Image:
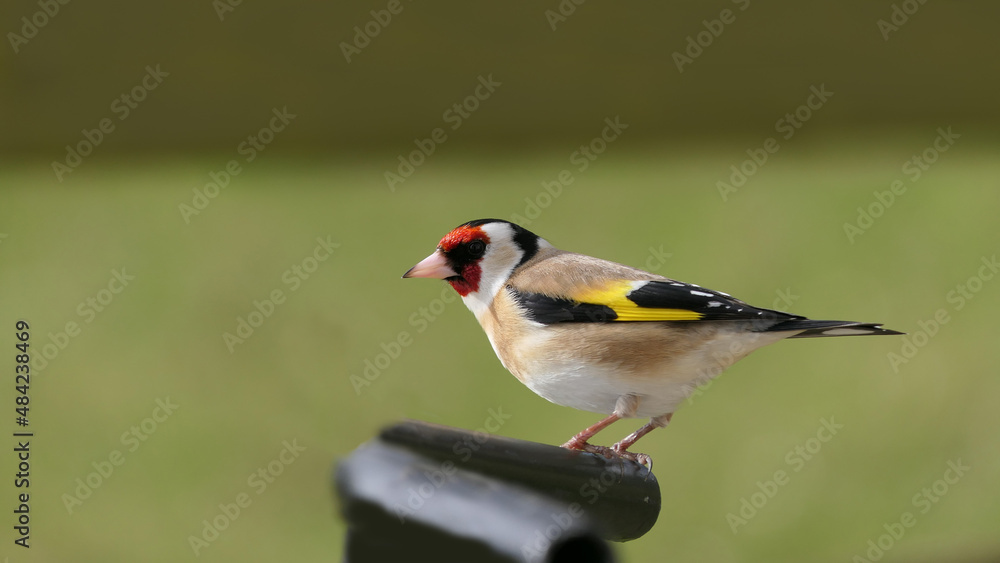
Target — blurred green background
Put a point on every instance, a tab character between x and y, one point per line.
139	204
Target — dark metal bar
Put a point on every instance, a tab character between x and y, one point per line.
427	492
621	496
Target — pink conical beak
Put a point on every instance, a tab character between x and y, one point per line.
434	266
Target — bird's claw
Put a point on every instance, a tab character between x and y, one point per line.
612	452
601	451
641	459
575	443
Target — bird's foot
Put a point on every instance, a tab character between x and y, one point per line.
603	451
613	452
641	459
576	443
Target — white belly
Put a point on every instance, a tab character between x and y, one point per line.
596	387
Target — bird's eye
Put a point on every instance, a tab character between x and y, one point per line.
477	248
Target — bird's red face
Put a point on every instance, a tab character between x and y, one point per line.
457	259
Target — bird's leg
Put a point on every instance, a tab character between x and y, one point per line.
621	448
625	407
579	442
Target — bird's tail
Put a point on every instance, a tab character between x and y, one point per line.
814	329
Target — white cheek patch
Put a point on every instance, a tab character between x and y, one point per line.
502	256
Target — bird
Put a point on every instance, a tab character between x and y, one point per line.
604	337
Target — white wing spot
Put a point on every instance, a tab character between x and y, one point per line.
845	331
740	310
714	304
678	284
701	293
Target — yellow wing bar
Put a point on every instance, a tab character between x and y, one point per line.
614	295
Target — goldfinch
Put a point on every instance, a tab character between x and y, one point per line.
599	336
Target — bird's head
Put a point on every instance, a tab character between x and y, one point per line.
477	257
